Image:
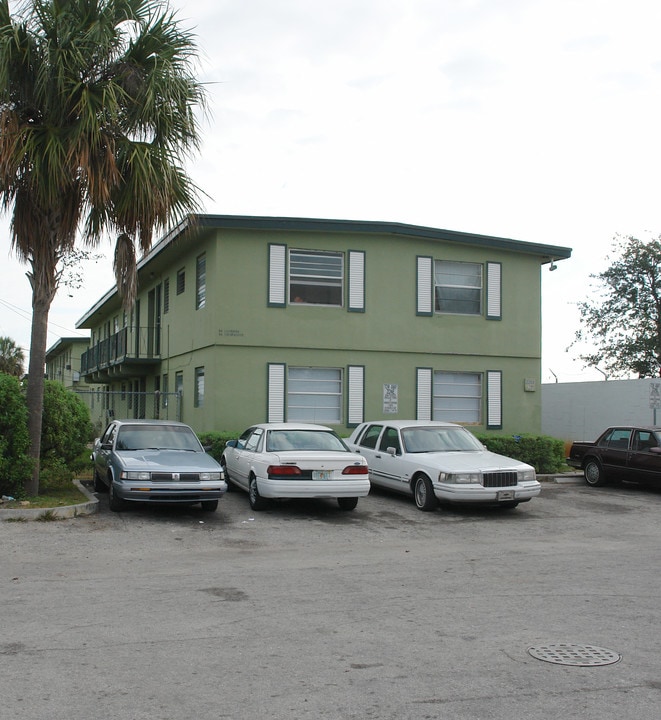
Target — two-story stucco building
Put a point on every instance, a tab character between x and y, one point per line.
256	318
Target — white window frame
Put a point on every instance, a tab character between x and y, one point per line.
445	267
306	287
327	409
457	397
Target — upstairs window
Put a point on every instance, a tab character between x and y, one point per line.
316	278
166	295
458	287
181	281
201	282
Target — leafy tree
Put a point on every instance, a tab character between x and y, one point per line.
623	320
66	430
98	108
11	357
15	464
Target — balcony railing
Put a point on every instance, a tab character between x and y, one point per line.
128	345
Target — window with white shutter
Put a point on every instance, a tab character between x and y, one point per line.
355	395
356	281
494	400
276	392
423	393
277	275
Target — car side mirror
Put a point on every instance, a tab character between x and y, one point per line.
656	450
391	451
231	443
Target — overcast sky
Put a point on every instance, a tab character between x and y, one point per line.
537	120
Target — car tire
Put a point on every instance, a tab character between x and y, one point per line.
223	464
423	494
209	505
594	473
257	502
116	504
99	485
347	503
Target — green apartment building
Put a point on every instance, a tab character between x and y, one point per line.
249	319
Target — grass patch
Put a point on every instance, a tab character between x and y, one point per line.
52	498
48	516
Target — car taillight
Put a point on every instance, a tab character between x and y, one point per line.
355	470
280	470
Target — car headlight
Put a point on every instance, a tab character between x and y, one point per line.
135	475
210	475
527	475
459	478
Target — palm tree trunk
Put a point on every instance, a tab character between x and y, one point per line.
35	388
44	286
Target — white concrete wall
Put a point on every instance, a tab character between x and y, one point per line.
581	411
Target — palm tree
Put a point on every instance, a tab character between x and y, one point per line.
98	106
11	357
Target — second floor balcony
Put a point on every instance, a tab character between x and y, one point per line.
130	352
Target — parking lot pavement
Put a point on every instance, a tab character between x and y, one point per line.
305	611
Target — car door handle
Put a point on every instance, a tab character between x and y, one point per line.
378	456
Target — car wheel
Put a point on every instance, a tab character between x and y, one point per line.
223	464
99	485
347	503
116	504
209	505
594	473
257	502
423	492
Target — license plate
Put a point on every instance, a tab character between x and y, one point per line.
505	495
322	474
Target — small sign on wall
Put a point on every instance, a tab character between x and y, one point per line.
530	385
390	398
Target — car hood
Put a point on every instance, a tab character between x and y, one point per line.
478	461
167	461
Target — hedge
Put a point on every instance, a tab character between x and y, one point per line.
544	453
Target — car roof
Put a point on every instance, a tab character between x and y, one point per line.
291	426
143	421
411	423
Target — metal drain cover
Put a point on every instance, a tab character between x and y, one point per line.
577	655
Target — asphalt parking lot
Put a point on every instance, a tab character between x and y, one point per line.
305	611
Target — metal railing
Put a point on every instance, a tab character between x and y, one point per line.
129	343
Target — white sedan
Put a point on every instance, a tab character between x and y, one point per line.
439	462
295	460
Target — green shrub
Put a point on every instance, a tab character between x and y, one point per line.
545	454
66	430
15	463
215	442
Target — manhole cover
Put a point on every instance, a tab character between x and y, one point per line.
578	655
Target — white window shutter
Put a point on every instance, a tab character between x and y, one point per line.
277	275
355	394
494	291
356	281
276	393
424	394
425	289
494	400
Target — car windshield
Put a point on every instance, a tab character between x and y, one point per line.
439	439
160	437
282	440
